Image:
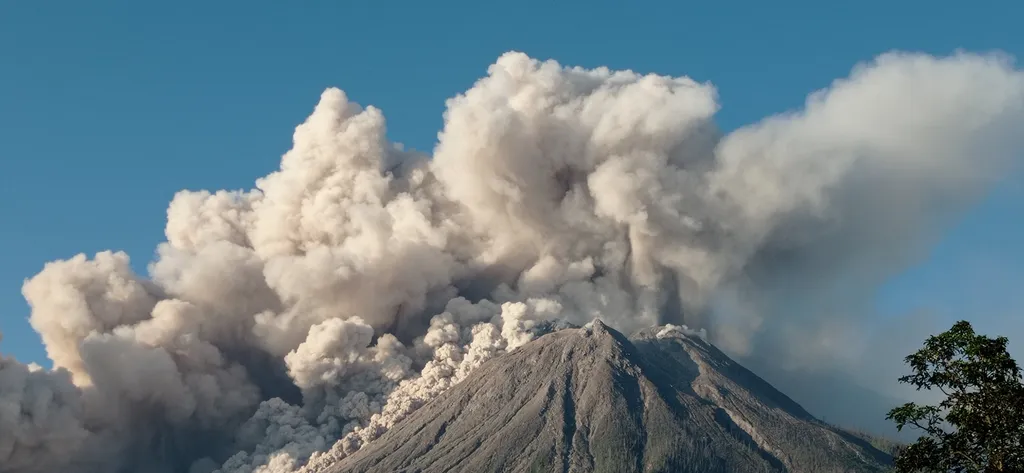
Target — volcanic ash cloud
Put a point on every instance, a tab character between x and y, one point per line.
293	323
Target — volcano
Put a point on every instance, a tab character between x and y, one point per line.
593	400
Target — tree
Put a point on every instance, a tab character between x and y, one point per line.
979	427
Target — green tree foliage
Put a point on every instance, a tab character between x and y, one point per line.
979	427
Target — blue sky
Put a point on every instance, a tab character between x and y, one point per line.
108	108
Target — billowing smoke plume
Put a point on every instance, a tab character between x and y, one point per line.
286	326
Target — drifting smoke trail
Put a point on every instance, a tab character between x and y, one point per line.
295	322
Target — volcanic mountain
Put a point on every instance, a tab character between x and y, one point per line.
592	400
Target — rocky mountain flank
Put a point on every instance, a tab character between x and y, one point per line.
591	400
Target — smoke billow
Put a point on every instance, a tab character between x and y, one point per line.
284	327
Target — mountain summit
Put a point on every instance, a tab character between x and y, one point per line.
593	400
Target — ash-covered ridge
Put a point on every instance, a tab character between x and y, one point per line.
592	400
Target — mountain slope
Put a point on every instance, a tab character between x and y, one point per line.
590	400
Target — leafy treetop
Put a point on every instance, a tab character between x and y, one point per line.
979	426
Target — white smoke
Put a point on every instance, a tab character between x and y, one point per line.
291	324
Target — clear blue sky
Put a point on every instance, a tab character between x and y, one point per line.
108	108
